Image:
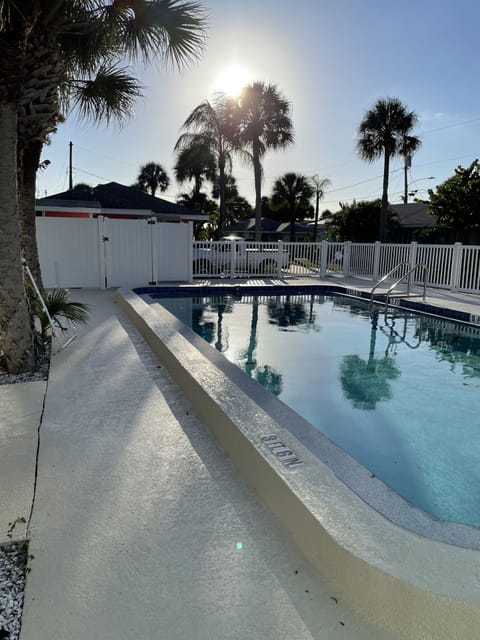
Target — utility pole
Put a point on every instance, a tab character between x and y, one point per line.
70	173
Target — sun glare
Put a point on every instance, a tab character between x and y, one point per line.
232	80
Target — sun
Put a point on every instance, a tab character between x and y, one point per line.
232	80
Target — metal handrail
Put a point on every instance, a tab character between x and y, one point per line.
406	275
409	272
402	264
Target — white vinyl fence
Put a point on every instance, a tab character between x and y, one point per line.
104	252
455	267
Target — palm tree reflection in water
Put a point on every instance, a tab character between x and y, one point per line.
365	383
264	374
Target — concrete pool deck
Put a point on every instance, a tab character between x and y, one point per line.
142	527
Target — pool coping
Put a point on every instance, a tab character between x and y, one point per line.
345	537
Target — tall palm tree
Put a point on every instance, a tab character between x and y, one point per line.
152	176
263	120
211	124
381	133
319	185
195	162
293	191
55	48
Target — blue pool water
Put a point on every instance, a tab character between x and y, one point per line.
400	394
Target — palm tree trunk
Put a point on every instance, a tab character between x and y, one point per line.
17	353
257	174
221	185
292	220
28	165
384	207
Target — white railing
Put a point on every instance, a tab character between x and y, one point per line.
455	267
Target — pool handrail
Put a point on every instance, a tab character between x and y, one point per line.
386	276
422	266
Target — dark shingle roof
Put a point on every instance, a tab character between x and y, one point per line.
414	214
115	196
268	226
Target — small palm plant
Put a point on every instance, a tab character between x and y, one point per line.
60	308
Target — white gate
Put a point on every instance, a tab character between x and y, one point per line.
70	252
172	252
128	252
104	252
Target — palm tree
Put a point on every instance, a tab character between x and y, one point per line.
319	185
263	119
195	162
53	49
211	124
293	191
382	132
152	177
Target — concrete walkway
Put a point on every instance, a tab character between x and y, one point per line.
20	412
142	527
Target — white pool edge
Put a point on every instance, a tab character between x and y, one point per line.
411	585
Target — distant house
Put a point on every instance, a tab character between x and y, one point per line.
113	200
412	218
272	230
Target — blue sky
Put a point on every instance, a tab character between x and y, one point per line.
332	59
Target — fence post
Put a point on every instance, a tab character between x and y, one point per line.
376	260
323	260
280	259
412	260
347	250
190	252
233	256
456	266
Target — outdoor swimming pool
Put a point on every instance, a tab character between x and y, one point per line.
400	393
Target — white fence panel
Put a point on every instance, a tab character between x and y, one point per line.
239	259
335	255
305	259
470	269
128	252
70	252
362	258
172	243
439	260
391	255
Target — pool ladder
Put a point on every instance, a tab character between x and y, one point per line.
408	275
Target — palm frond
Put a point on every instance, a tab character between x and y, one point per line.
59	307
171	29
110	95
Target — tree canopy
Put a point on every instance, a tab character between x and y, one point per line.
456	202
293	192
357	222
151	178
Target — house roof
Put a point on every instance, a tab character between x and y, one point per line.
268	226
414	215
118	197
